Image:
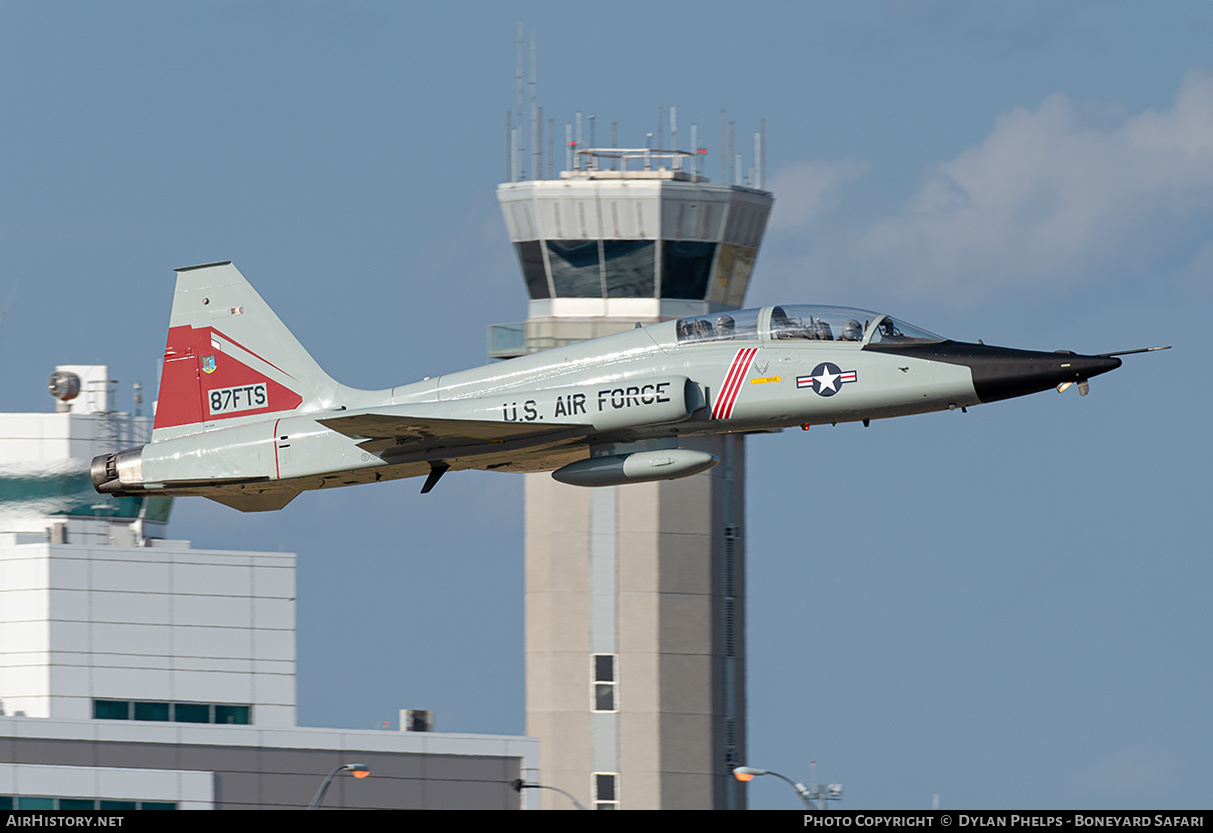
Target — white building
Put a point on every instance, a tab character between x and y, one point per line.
139	673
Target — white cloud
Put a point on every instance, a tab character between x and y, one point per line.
1045	199
1134	770
807	190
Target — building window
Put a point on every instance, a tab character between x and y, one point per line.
192	713
42	802
111	710
154	710
603	696
238	715
576	270
630	268
606	791
530	258
685	265
151	711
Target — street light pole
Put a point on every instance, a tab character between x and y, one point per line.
822	794
519	785
359	770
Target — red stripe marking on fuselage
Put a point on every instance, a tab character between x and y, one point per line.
733	384
731	387
742	372
728	391
722	394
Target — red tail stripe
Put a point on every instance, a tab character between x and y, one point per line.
250	352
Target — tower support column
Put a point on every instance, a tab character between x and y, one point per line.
635	612
635	637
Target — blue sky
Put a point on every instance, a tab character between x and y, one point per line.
1008	607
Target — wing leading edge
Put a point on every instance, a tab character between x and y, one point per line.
393	434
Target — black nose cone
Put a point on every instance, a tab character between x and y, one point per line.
1002	373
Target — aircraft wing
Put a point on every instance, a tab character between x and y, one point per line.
521	420
397	434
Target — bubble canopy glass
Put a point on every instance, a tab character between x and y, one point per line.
802	323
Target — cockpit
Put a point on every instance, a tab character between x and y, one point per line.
802	323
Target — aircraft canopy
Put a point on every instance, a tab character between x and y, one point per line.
803	323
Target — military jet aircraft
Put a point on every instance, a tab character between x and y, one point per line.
247	418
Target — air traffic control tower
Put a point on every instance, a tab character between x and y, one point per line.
635	595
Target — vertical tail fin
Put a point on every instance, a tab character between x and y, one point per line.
228	356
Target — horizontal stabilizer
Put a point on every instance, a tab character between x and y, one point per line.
263	501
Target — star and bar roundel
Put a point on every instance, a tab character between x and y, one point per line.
826	379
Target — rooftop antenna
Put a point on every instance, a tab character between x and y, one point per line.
518	87
593	141
674	138
518	153
762	179
724	158
551	151
732	180
660	128
756	174
695	150
536	144
509	149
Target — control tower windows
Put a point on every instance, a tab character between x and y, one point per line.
629	269
576	272
731	275
530	258
630	266
685	265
